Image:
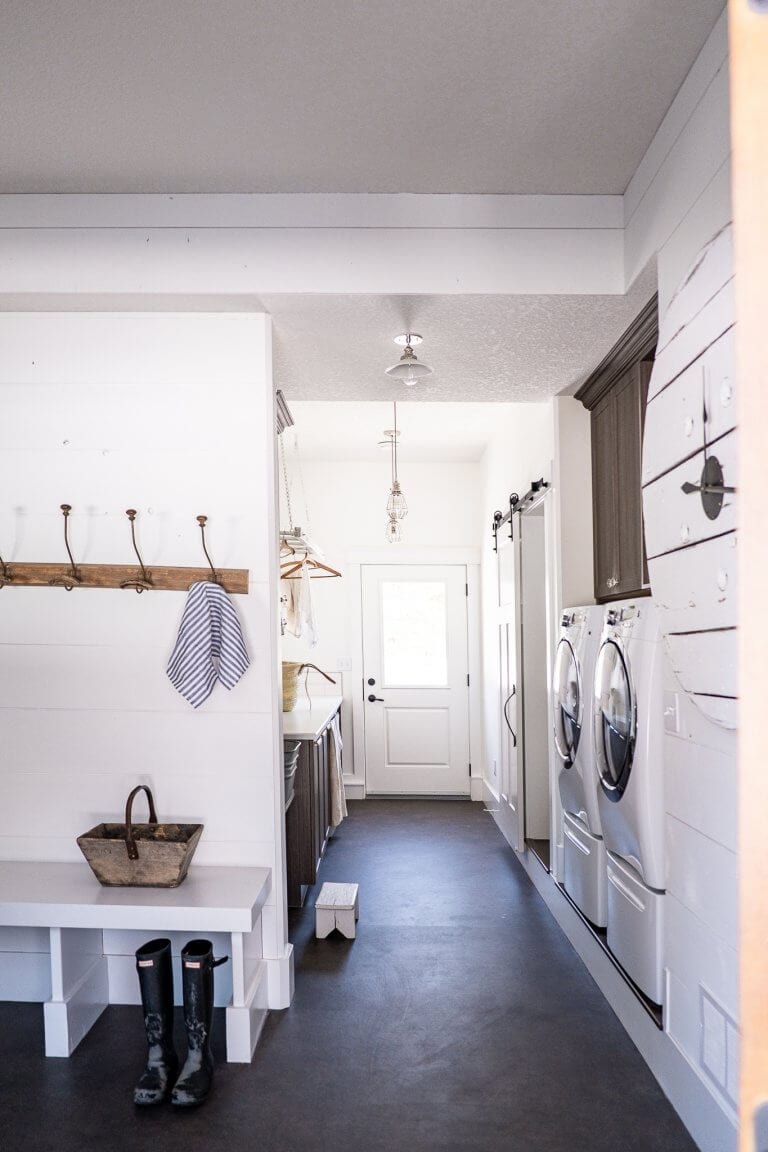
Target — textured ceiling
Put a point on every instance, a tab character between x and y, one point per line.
485	348
324	96
353	430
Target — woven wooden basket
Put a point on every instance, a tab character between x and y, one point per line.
132	855
292	669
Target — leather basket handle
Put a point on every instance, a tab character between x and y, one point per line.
130	844
328	678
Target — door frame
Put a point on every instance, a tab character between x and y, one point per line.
552	608
397	555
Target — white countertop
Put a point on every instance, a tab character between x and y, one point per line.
306	723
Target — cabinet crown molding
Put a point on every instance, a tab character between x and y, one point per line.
638	343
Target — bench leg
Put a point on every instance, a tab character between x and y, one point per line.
345	922
247	1010
79	988
325	922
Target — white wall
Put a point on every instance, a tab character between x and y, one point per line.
572	481
172	415
346	501
678	199
680	195
519	451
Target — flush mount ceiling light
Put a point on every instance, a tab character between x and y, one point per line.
409	369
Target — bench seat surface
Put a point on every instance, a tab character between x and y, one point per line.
51	895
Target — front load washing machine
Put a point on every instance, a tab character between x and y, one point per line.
584	850
628	733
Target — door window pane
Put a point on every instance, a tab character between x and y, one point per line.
414	634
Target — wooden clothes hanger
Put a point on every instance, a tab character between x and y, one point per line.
289	569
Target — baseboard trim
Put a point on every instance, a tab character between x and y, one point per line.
708	1124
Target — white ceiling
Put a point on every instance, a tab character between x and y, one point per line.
481	348
429	433
535	96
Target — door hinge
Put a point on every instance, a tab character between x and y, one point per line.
467	679
469	766
466	589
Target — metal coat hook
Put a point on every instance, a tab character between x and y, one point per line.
214	577
73	576
6	576
144	580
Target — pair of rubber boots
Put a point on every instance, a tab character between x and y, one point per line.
161	1076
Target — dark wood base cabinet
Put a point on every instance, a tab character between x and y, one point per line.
307	821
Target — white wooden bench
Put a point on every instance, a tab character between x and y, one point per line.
337	906
69	901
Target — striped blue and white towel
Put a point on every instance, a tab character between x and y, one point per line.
209	646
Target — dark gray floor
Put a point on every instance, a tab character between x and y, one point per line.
459	1019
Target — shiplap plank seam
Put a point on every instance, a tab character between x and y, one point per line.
684	459
694	543
690	364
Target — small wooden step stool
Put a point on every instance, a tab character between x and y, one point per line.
337	906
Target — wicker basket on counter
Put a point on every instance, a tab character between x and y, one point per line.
152	855
292	669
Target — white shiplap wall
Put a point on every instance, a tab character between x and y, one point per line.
692	564
173	415
677	202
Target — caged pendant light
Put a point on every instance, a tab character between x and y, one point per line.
397	506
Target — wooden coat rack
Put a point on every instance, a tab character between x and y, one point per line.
141	579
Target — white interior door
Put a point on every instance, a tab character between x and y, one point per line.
416	679
511	791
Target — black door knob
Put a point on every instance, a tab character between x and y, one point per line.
371	682
373	699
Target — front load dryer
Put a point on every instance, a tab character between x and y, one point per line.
584	851
628	734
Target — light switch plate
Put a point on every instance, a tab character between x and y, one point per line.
344	664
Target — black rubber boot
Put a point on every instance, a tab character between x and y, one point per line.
197	965
153	964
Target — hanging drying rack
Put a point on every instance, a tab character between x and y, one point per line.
141	579
297	552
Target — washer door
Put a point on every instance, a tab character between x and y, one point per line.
614	720
568	704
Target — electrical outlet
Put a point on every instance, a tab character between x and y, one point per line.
344	664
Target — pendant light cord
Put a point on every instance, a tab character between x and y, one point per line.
394	441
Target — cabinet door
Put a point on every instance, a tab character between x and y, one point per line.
299	836
605	498
629	397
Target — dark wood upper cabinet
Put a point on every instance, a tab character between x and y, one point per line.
616	394
604	497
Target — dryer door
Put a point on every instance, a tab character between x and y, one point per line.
614	720
568	703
